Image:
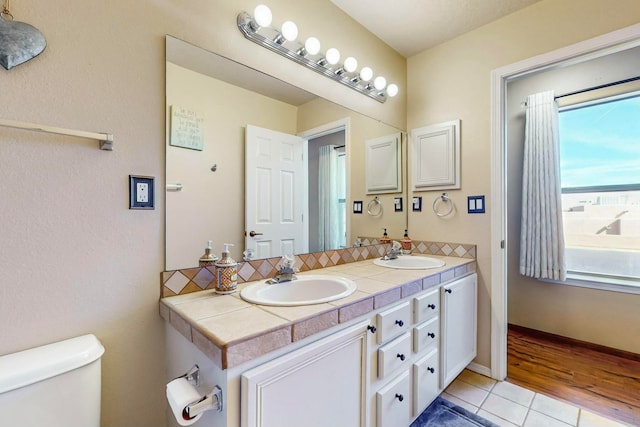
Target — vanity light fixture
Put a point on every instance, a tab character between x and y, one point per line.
258	28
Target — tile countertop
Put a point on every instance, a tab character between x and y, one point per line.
232	331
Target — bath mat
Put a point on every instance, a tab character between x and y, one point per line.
442	413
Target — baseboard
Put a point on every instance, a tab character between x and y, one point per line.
479	369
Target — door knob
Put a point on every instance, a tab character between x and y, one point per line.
254	234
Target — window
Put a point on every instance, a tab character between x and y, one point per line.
600	176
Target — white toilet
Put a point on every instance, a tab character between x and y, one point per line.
56	385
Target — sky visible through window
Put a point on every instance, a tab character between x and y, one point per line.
600	144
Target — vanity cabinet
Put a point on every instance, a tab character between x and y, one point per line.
321	384
381	370
459	327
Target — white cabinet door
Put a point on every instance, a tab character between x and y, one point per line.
393	403
393	322
322	384
459	323
425	381
394	355
383	164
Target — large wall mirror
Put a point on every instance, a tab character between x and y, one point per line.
223	120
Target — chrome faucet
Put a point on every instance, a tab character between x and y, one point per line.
393	252
286	272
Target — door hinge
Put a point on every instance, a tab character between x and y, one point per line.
502	244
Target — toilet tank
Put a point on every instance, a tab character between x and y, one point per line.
56	385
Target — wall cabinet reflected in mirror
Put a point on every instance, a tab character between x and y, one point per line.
383	164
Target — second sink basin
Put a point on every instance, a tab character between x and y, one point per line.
408	262
305	290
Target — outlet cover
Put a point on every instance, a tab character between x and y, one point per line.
141	192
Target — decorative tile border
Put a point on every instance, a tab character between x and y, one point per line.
179	282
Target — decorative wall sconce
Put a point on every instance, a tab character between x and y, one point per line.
284	41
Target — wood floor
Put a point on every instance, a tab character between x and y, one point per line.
600	380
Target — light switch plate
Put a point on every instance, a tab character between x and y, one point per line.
417	203
141	192
475	204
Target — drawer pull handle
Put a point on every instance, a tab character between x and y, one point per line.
400	356
372	329
432	370
431	334
448	291
399	397
400	323
432	306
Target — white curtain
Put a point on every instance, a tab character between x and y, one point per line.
328	226
541	234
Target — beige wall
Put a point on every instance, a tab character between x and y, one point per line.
452	81
74	259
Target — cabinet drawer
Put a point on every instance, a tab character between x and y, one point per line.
426	306
393	322
425	381
426	335
394	355
393	403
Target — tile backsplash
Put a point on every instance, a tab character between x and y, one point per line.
184	281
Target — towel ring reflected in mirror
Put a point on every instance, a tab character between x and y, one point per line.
444	198
374	207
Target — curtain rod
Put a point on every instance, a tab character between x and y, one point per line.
619	82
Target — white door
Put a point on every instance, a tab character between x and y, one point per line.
275	191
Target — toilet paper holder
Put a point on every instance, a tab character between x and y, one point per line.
212	400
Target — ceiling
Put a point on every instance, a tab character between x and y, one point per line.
411	26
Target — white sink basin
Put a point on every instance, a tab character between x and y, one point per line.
305	290
408	262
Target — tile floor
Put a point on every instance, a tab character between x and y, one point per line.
509	405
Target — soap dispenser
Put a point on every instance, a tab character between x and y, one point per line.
385	237
207	259
227	273
406	243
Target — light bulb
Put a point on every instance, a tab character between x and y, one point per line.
262	15
312	46
380	83
289	30
333	56
366	73
392	90
350	64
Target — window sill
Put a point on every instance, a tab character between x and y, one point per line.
612	284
